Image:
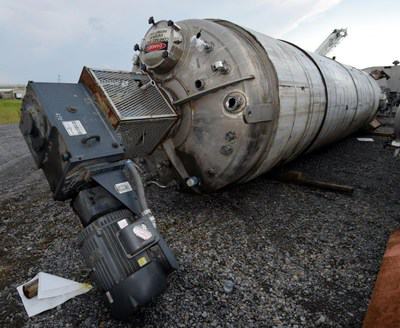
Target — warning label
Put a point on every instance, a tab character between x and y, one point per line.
122	187
141	231
157	40
74	128
156	46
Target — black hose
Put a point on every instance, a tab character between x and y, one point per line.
139	186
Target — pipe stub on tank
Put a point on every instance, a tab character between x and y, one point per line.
234	102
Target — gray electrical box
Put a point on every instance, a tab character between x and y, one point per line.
65	132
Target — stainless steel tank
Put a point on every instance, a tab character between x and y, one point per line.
247	102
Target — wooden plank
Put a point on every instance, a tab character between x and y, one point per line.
374	124
31	288
383	131
299	178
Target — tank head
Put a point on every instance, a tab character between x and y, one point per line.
161	47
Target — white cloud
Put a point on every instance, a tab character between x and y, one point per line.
46	24
54	23
277	18
371	33
313	8
47	37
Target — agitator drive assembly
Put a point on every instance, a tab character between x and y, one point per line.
208	104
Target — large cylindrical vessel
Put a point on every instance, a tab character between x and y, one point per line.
248	102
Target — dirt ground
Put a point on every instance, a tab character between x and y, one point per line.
298	256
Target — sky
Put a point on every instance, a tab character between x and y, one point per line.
51	40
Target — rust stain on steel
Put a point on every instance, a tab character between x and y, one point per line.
384	307
101	99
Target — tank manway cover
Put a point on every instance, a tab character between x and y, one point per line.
134	105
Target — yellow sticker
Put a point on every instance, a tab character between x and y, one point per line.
142	261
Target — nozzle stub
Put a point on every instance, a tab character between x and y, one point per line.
192	181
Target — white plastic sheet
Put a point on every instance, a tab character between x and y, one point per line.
52	291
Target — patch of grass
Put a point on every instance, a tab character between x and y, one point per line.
9	111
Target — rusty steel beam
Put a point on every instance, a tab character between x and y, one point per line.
384	307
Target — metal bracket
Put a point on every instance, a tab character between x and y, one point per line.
199	94
110	180
259	113
169	149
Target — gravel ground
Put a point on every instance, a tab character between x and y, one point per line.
298	256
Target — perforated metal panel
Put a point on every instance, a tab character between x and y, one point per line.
134	105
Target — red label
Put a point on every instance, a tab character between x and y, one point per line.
156	46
